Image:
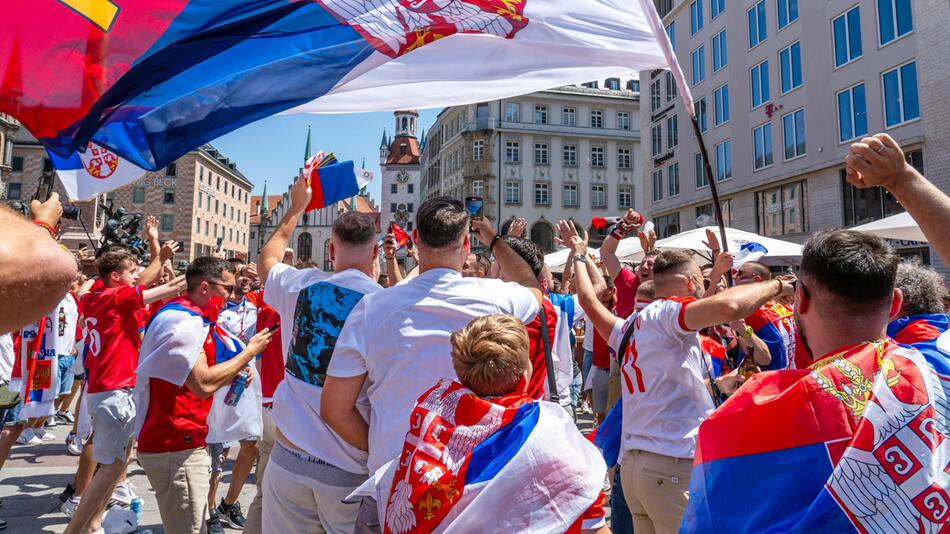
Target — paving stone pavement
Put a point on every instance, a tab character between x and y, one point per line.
35	475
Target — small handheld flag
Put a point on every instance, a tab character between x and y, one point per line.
334	182
749	252
402	238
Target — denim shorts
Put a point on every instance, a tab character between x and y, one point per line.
65	363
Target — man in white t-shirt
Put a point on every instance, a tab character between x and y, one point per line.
666	379
395	343
311	469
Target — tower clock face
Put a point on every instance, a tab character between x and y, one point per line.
402	177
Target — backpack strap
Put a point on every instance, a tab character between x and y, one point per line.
548	356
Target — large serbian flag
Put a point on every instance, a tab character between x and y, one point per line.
153	79
857	443
474	466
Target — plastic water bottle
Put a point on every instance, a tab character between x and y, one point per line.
237	388
136	508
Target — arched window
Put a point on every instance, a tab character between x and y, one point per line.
405	124
305	247
543	235
327	264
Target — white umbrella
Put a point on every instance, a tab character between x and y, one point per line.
901	227
556	260
779	252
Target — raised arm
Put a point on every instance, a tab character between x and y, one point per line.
603	320
392	266
733	304
608	250
515	268
879	161
164	291
273	251
153	271
35	271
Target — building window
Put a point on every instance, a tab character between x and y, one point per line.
597	156
512	192
624	197
168	197
667	225
759	79
724	160
218	184
138	196
793	130
656	139
895	19
900	95
852	113
393	188
232	213
695	16
540	114
231	234
699	64
762	146
305	246
781	210
612	84
171	170
541	154
700	106
716	7
787	12
403	148
168	223
873	203
598	196
512	151
846	30
706	210
216	205
570	195
14	191
657	185
670	86
624	158
672	132
655	101
569	154
596	118
757	27
542	194
790	59
513	112
673	179
569	116
16	164
206	228
671	33
409	207
721	103
410	188
699	167
623	120
392	208
478	189
478	146
720	57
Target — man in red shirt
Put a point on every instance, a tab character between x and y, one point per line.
182	342
111	308
625	280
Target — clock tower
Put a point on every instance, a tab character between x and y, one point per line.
399	163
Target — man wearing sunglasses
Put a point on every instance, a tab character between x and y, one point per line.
773	323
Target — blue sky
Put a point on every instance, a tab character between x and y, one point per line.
272	149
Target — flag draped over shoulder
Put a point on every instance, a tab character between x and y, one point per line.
857	443
153	79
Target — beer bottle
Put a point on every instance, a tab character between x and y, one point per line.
748	368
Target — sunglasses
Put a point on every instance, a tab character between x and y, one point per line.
226	287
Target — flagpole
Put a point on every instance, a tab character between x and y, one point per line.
707	168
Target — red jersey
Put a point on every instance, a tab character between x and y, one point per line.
539	374
627	283
601	352
112	320
271	363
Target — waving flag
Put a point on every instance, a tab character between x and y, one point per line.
153	79
749	252
402	238
469	459
856	444
335	182
930	334
93	172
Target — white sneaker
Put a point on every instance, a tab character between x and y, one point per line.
51	422
27	437
585	407
73	444
69	507
124	493
45	436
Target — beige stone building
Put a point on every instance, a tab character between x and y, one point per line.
199	200
8	129
782	87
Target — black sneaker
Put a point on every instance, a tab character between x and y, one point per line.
67	493
214	523
232	515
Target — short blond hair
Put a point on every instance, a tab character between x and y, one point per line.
491	354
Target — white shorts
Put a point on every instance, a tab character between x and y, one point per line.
113	421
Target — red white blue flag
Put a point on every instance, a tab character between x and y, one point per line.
154	79
857	443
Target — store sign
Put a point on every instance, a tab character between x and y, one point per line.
158	182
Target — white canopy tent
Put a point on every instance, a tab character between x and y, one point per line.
556	260
901	227
779	252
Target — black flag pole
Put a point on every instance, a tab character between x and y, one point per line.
707	168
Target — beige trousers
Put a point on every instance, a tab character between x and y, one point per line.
656	489
264	446
181	482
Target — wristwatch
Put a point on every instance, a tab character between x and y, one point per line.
580	257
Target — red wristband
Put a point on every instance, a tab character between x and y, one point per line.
47	226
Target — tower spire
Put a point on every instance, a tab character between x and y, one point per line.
306	156
263	209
